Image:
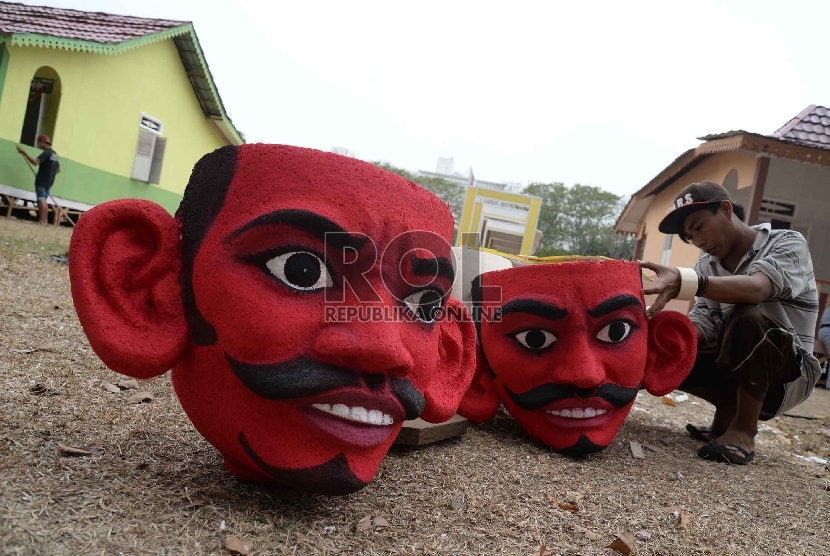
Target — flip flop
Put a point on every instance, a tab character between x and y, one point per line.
725	453
704	435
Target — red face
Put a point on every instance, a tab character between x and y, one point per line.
570	351
298	389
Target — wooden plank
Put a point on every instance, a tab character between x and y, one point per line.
60	214
29	195
652	447
418	432
12	203
636	450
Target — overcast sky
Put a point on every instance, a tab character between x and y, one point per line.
599	93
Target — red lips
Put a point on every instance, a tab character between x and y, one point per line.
355	417
577	413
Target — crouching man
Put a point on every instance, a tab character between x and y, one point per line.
755	312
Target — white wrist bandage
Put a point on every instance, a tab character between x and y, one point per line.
688	284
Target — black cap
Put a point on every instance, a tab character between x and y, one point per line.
693	197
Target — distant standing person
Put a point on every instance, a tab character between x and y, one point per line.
49	168
824	333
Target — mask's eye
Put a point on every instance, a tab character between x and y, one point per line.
425	304
615	332
535	339
300	270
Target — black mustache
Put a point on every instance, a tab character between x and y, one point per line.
302	376
544	394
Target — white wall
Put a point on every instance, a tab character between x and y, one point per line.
808	185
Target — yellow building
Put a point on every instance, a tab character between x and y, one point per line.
129	103
498	220
782	179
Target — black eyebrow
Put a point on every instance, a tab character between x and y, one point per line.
439	266
534	307
615	304
310	222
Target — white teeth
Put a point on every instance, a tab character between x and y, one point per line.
360	414
579	413
357	413
376	417
341	410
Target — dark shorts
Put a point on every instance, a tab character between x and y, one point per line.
42	192
755	352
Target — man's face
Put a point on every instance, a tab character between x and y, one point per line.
709	231
569	353
284	393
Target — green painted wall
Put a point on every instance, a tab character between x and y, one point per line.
96	130
80	182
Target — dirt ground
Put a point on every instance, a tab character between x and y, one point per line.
151	484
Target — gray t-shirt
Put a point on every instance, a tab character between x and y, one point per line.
783	255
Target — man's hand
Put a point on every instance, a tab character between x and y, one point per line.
20	150
666	286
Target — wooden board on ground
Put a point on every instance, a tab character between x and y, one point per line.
418	432
636	450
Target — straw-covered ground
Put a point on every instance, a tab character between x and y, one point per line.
150	484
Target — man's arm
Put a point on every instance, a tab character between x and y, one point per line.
707	324
726	289
32	161
787	265
751	289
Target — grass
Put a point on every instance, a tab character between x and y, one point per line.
153	485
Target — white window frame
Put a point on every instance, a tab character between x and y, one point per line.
786	217
804	228
665	257
149	151
157	127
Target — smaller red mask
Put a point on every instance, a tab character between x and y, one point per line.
566	347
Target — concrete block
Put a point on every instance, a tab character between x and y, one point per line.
418	432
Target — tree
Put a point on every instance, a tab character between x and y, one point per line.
451	193
576	220
618	246
590	215
579	220
552	219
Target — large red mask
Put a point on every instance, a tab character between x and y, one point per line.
566	347
299	311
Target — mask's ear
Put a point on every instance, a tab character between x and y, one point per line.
672	348
124	269
457	365
481	401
